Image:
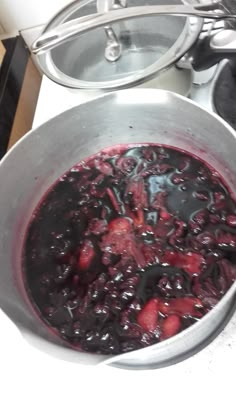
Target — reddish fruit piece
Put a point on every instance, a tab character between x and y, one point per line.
75	280
208	294
186	306
181	227
201	195
165	215
218	197
163	229
103	167
126	164
206	239
171	326
201	217
231	221
119	241
214	219
86	255
228	270
226	240
191	262
194	227
113	199
145	228
139	218
151	253
217	206
136	187
97	227
148	316
164	307
179	178
137	254
156	169
184	164
159	200
120	225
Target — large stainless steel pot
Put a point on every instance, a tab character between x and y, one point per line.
34	163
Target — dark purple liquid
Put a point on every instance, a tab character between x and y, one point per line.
131	247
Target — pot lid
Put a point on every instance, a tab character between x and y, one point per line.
118	55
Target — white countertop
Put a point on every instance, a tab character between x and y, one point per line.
54	99
26	369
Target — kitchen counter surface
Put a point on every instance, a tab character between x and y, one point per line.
23	368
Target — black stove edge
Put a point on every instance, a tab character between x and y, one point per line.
12	72
224	95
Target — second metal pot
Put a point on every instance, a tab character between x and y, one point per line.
149	47
76	49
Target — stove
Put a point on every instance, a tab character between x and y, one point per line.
224	97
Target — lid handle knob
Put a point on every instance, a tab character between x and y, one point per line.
113	48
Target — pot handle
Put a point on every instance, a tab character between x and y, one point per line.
211	50
76	27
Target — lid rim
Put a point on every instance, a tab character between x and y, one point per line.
184	42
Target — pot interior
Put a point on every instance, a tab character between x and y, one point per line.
41	157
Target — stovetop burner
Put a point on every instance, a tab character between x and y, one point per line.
224	96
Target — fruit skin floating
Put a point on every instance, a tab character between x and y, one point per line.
130	247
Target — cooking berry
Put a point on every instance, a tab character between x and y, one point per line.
148	316
171	326
201	195
183	307
190	262
201	217
86	255
126	164
231	220
97	227
207	240
120	226
136	187
103	167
